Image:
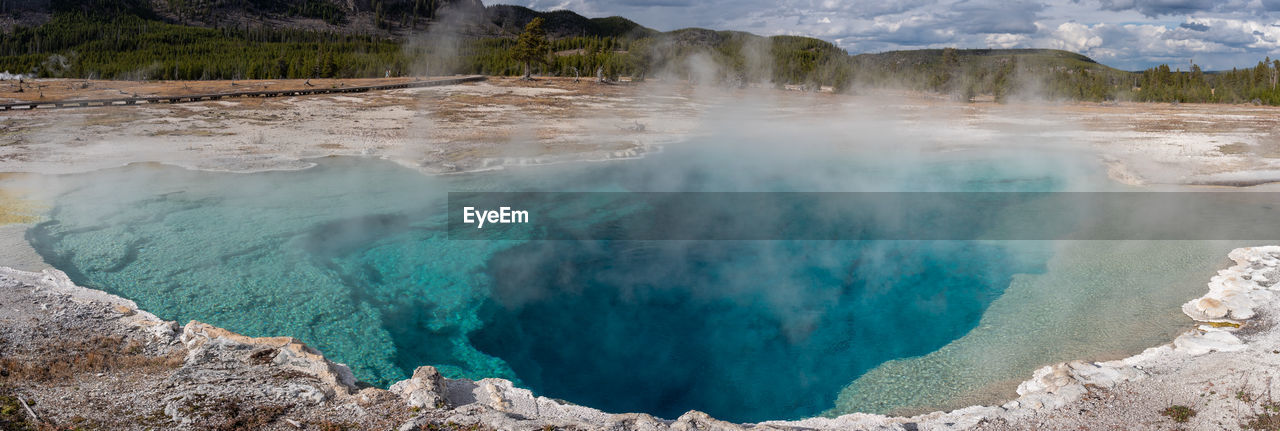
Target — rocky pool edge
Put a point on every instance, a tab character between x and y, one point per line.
1226	318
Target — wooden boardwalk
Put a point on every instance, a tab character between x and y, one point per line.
188	98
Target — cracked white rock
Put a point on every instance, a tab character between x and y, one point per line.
426	389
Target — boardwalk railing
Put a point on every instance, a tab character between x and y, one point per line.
187	98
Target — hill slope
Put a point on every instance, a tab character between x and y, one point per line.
382	17
385	17
563	23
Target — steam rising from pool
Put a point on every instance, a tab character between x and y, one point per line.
352	257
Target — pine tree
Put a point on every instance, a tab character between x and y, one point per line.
532	47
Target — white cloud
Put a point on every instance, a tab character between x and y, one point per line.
1130	34
1076	37
1006	40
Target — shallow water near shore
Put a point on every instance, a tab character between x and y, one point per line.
352	257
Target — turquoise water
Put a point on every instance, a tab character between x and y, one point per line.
352	257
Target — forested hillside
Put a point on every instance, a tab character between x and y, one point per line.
1250	85
132	39
1041	73
258	39
130	47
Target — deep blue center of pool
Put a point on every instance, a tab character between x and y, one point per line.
352	257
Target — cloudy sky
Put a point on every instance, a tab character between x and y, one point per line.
1128	34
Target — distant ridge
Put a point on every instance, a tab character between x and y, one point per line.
925	55
395	18
923	58
564	23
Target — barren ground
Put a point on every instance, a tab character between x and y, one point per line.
507	121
